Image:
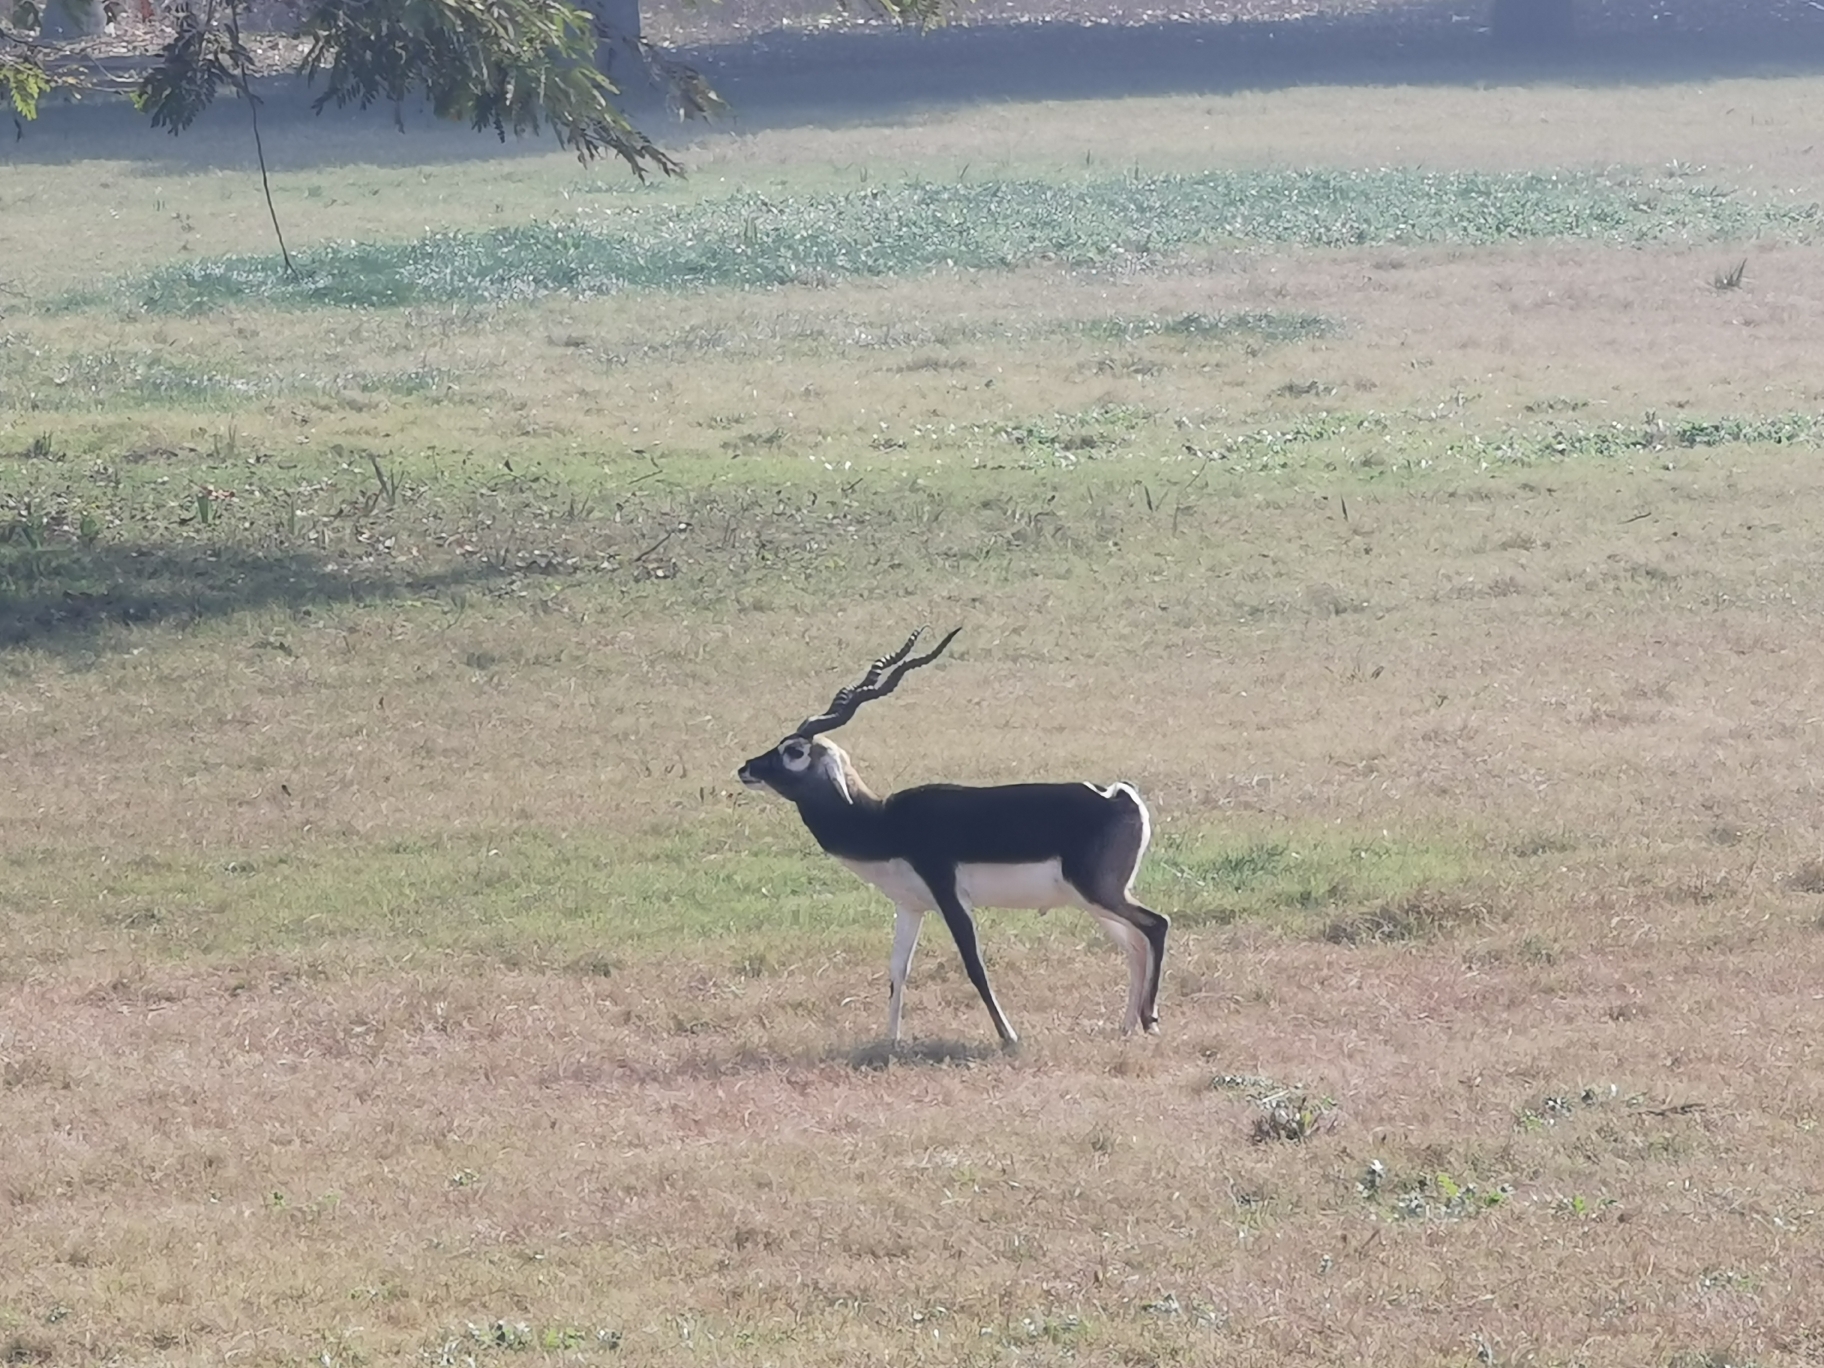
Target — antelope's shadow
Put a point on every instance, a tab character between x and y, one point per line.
884	1054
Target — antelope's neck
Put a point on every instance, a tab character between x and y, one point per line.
850	823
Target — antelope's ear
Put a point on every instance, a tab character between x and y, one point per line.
830	758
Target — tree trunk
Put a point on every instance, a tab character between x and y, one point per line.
64	19
618	23
1533	25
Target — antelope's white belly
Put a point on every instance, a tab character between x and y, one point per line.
1037	886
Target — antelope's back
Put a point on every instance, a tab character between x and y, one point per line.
1013	823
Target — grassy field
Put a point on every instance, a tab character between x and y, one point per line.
1427	517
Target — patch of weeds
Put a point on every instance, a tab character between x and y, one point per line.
519	1337
1548	1109
1731	279
562	1338
1251	1083
1294	1115
43	447
1727	1280
1423	915
1286	1113
1609	441
754	240
1434	1195
499	1335
1440	1197
1579	1207
1206	1314
1075	433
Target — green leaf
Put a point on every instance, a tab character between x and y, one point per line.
24	82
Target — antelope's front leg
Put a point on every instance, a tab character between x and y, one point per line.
906	922
961	920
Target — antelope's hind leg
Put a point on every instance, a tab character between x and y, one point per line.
1134	946
1105	876
1149	927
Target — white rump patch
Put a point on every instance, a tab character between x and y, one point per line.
1126	790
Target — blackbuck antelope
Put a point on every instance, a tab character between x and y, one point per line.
953	848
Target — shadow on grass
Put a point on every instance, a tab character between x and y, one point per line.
883	1054
831	77
835	76
68	600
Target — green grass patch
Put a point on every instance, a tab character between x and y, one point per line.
535	898
754	240
87	382
524	898
1329	884
1651	433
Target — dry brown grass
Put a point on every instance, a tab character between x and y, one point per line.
347	1146
377	979
200	1166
